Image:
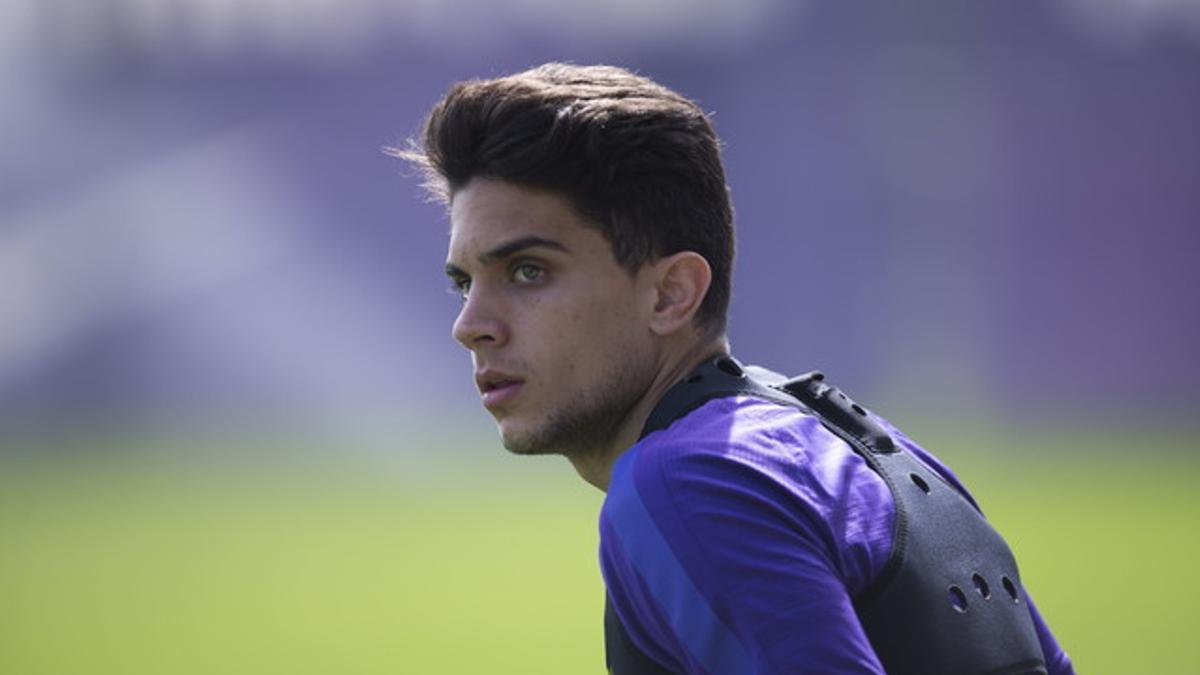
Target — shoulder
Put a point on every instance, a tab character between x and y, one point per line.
743	471
778	452
739	527
726	445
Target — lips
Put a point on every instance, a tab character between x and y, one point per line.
497	387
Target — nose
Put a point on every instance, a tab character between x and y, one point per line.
479	323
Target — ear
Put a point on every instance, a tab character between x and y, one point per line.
681	283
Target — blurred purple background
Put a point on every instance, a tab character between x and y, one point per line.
984	209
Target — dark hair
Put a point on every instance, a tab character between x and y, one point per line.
635	158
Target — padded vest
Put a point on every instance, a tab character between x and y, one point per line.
948	601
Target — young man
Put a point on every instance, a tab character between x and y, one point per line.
742	531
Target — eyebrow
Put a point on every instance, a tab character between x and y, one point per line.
509	249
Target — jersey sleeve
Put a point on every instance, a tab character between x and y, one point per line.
726	559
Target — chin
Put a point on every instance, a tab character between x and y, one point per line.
520	440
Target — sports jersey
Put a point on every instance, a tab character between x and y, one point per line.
735	541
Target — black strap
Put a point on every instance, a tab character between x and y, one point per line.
621	655
723	376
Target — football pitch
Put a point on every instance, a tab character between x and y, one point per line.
259	562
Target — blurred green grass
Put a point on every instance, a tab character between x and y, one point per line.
203	563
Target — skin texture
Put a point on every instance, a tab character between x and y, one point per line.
587	347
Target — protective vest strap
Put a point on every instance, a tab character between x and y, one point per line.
949	600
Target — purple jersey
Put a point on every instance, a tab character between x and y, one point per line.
735	540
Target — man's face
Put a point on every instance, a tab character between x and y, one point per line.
557	330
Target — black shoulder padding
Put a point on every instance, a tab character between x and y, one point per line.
949	600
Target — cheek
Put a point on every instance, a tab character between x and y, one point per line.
583	327
612	329
580	339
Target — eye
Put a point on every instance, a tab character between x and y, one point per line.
460	287
526	273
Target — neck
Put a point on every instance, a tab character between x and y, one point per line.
596	468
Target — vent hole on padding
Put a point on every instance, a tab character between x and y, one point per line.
1010	587
958	599
981	585
730	367
920	482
